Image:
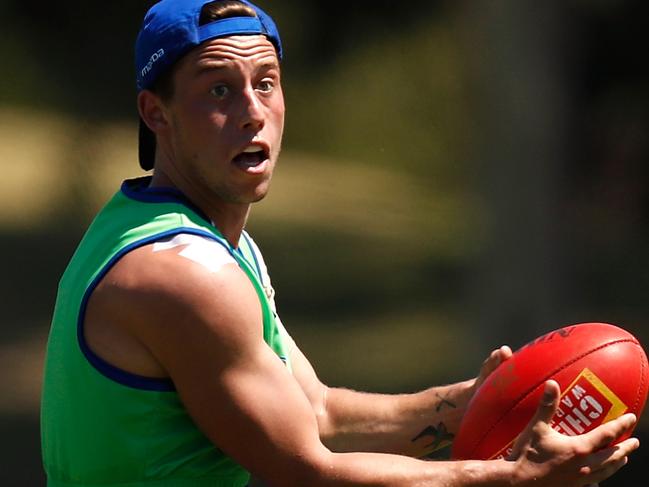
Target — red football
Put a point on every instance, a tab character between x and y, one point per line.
601	369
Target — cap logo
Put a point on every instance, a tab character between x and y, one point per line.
155	57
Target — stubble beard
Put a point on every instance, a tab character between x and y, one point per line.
219	191
231	194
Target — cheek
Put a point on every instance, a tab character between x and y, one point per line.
194	109
279	122
277	114
201	124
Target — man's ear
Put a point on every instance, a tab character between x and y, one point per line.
152	111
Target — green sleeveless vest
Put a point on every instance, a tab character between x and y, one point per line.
104	426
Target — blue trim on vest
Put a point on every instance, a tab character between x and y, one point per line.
138	189
254	257
102	366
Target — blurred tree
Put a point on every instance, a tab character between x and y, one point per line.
518	54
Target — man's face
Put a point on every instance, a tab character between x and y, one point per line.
226	118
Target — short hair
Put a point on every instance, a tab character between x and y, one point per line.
163	86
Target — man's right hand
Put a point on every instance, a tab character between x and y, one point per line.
546	458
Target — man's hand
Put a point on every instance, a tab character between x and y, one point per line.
491	363
546	458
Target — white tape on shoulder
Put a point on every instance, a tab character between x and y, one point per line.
175	241
204	251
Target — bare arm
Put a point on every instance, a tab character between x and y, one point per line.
407	424
204	329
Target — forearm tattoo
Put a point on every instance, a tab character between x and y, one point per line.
443	402
434	439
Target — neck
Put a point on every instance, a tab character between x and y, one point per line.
229	218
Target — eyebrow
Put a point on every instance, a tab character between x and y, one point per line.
210	67
216	66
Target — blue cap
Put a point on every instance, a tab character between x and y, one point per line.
170	29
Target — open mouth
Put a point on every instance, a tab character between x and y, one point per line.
251	157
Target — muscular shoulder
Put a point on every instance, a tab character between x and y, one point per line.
170	267
187	271
173	295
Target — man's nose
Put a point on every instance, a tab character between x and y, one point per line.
253	115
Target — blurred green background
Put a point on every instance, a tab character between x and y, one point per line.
455	175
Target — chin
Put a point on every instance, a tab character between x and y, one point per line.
261	191
259	196
254	196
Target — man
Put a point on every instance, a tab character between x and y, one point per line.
167	363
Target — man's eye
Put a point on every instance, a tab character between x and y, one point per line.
220	91
266	86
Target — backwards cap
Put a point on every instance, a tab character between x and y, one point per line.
170	29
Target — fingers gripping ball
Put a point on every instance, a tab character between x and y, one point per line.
601	369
